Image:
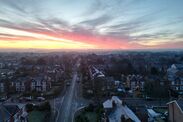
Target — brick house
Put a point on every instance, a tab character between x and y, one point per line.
175	111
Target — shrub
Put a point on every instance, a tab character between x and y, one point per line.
44	107
29	107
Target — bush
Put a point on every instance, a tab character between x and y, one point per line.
81	118
44	107
90	108
29	107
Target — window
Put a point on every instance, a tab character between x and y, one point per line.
177	88
181	82
181	87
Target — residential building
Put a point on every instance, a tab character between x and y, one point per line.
152	115
1	65
175	76
2	87
99	82
135	82
22	84
40	84
117	111
175	111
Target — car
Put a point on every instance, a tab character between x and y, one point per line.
2	99
68	84
28	98
41	98
148	98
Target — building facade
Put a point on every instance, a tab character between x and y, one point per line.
175	111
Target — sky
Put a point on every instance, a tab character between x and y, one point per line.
91	24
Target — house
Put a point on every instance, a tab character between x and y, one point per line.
110	84
175	111
108	106
171	72
22	84
4	82
2	65
95	73
40	84
99	82
116	83
135	82
152	115
118	111
2	87
175	77
26	84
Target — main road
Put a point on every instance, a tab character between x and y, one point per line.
70	101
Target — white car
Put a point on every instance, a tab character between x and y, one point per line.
41	98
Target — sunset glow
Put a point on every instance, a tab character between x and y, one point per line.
96	24
46	44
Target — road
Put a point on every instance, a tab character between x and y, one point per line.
70	101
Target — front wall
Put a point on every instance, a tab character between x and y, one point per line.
178	115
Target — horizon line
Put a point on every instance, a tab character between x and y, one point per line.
35	50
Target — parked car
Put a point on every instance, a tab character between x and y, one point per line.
25	99
148	98
68	84
2	99
41	98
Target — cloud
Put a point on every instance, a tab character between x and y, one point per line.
105	24
97	21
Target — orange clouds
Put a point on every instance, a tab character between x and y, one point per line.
98	41
70	40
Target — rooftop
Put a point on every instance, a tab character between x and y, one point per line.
180	103
7	110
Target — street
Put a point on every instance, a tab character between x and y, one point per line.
68	104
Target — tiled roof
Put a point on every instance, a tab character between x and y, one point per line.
4	115
7	110
180	103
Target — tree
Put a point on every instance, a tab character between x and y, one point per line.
90	108
154	71
29	107
45	106
27	61
120	66
181	58
155	90
81	118
41	61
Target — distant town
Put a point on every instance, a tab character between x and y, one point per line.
91	87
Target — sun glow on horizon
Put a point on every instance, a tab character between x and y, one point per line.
44	44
